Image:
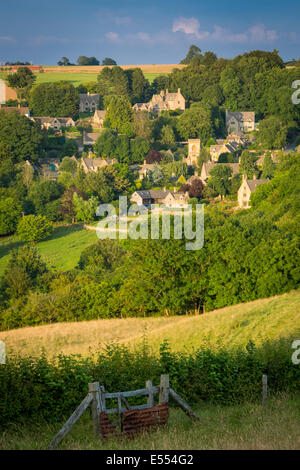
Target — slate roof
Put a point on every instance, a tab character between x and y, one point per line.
254	183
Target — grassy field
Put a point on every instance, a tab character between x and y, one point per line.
76	78
234	427
61	251
260	321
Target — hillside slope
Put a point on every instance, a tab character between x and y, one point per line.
259	321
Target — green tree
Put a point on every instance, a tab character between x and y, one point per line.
10	213
119	115
194	51
247	164
57	99
68	164
196	122
167	136
85	211
268	168
108	61
139	148
32	228
42	192
220	177
20	138
271	133
156	175
23	80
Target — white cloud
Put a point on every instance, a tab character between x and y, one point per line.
113	37
257	33
7	39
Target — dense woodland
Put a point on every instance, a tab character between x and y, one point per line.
247	255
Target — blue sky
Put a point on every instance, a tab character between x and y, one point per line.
145	32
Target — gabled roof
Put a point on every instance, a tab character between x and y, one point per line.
99	114
242	116
90	98
254	183
11	109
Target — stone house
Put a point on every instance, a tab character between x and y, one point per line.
143	170
246	189
98	119
194	147
164	101
6	93
16	109
54	123
153	196
93	164
216	150
243	121
89	138
88	103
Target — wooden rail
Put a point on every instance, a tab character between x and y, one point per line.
97	399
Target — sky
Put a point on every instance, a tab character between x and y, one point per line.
145	32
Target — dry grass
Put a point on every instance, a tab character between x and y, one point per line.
235	427
259	321
150	68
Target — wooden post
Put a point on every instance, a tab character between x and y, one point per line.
120	413
186	408
164	389
265	390
102	399
94	389
150	399
71	421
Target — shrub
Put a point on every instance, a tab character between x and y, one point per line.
33	228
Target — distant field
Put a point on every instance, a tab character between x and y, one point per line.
61	251
259	321
78	75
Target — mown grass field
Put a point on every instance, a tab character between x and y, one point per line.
231	327
76	78
61	251
233	427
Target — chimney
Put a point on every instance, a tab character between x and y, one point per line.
244	177
165	189
145	161
178	91
254	176
196	173
167	91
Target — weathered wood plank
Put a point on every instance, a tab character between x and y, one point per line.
94	389
132	393
186	408
150	399
102	398
116	410
164	389
265	390
71	421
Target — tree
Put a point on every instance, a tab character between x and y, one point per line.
23	80
219	179
271	133
10	213
106	144
32	228
268	168
58	99
20	138
193	51
85	210
156	175
119	115
63	62
204	157
167	136
84	60
42	192
67	209
196	122
68	164
247	164
139	148
154	156
108	61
